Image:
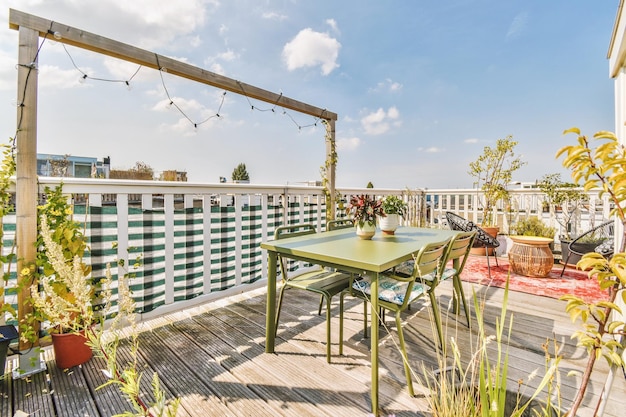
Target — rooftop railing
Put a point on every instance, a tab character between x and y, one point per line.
187	243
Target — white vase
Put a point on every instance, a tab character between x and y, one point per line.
389	223
367	231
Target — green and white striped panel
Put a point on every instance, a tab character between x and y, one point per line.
251	238
188	253
223	241
146	242
101	231
9	266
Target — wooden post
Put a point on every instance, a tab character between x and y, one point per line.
331	157
26	171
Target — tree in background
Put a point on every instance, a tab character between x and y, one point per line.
370	185
240	173
141	171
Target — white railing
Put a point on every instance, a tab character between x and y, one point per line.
201	241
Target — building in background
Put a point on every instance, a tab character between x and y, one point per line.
51	165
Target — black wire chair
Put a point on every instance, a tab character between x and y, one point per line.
482	240
598	239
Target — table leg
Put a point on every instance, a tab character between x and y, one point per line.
374	344
270	309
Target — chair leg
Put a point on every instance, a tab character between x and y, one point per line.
365	319
280	304
328	338
405	359
565	263
436	315
458	289
341	323
488	267
319	312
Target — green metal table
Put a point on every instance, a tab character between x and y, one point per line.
343	250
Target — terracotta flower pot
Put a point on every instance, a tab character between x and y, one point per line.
70	349
480	250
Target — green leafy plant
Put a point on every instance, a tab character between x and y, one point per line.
66	299
602	168
364	209
493	171
392	204
479	389
564	199
68	294
533	226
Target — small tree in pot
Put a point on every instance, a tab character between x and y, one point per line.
564	199
493	170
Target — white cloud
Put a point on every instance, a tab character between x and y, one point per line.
471	140
431	149
274	16
381	121
309	48
518	25
333	25
387	86
348	144
228	55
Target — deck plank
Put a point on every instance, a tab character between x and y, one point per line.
213	358
70	391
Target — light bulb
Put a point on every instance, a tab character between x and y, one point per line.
128	86
82	79
57	35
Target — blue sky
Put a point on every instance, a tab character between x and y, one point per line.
420	87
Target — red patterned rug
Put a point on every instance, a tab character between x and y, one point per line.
554	286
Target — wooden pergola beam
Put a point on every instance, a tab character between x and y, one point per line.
105	46
32	27
102	45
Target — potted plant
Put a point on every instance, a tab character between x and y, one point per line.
563	201
533	226
394	208
364	211
493	171
64	297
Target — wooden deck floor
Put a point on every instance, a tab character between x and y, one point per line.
212	357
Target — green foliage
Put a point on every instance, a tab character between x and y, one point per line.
240	173
369	185
364	209
602	168
533	226
392	204
566	195
7	170
493	171
125	375
482	391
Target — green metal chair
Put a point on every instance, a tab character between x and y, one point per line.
457	253
339	224
397	292
335	225
325	282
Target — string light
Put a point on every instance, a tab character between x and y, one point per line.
84	76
